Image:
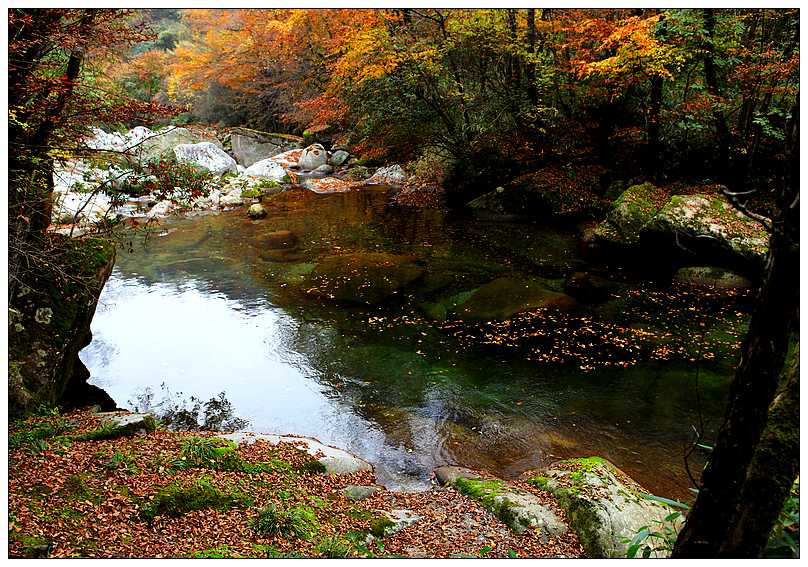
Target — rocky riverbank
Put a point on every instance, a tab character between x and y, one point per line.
88	484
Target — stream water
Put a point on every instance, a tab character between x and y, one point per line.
220	303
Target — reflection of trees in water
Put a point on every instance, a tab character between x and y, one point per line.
189	414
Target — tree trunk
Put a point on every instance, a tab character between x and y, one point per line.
530	72
715	514
772	473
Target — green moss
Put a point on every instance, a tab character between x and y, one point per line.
108	431
177	499
314	467
379	525
491	494
218	552
75	487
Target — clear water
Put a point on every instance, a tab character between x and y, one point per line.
215	305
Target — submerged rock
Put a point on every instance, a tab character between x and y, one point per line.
362	277
605	507
635	208
279	240
206	155
505	297
711	277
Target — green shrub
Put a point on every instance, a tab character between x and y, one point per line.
297	521
121	462
177	499
332	547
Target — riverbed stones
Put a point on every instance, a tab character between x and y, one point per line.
362	277
206	155
161	144
504	297
312	157
711	278
325	169
604	506
708	227
632	210
279	240
256	211
336	461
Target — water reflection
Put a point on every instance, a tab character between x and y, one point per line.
207	309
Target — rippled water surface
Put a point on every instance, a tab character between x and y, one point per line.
220	303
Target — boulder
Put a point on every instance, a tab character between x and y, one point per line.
504	297
604	506
336	461
338	158
266	168
161	209
256	211
390	175
362	277
288	159
51	323
358	173
312	157
251	146
325	169
206	155
326	185
124	424
80	208
161	144
711	278
708	227
232	199
632	210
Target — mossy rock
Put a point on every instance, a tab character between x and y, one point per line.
504	297
635	208
50	315
708	228
604	506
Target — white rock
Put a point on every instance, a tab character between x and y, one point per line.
313	157
161	209
206	155
266	168
80	207
232	199
390	175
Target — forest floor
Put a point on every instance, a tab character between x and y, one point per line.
75	492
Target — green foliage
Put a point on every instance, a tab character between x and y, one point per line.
123	462
661	535
36	439
314	467
784	541
76	488
332	547
180	498
218	454
107	431
218	552
296	521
